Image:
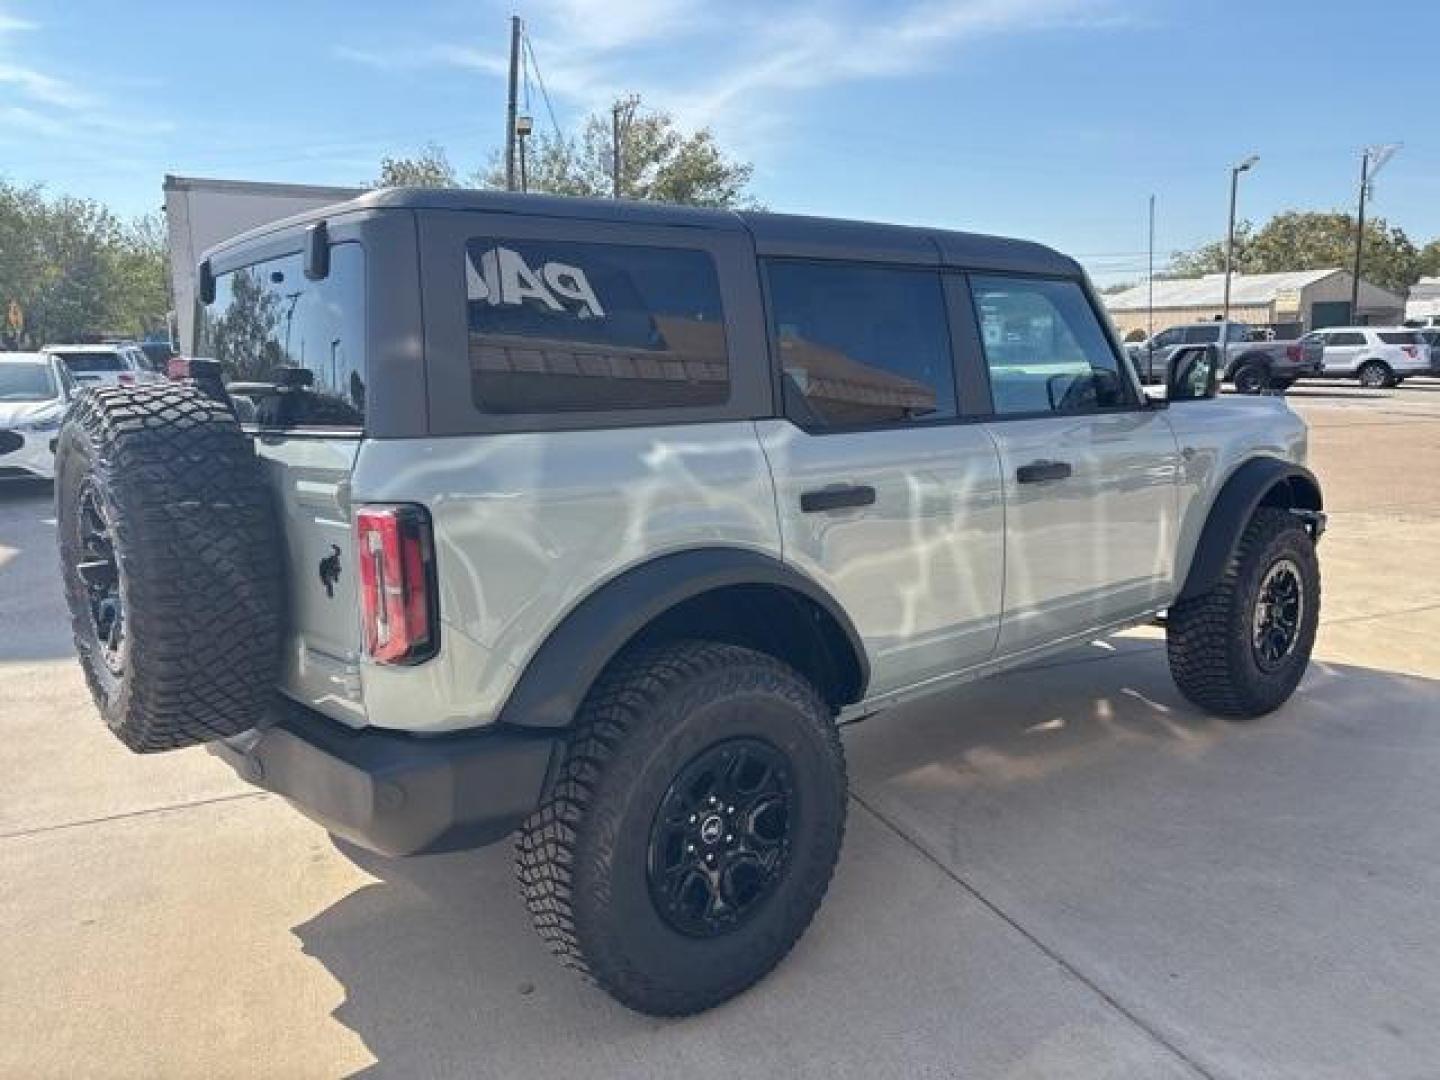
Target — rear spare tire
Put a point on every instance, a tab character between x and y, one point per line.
170	554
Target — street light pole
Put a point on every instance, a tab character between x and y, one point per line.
1235	172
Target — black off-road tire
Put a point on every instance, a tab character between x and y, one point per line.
197	564
1210	638
582	857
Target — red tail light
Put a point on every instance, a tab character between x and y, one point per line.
397	583
1294	352
125	379
1411	351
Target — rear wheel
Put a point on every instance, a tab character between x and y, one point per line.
1250	378
692	830
1375	374
1240	649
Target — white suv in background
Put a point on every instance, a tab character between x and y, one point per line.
1375	355
105	365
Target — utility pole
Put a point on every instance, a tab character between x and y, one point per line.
615	150
515	32
1150	277
1380	154
1235	172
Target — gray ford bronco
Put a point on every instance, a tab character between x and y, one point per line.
594	521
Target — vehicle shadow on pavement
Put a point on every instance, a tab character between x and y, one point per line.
1196	868
33	622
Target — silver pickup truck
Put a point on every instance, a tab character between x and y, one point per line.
595	520
1251	365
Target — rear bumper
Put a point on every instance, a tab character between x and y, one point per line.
393	793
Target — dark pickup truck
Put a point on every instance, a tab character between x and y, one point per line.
1252	366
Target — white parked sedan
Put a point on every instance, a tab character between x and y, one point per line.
34	390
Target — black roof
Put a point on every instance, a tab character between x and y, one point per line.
774	234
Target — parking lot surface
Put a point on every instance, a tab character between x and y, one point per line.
1066	871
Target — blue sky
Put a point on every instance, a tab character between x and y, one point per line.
1050	119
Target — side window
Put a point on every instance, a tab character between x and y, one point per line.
270	315
1346	337
1046	350
1202	335
566	327
1166	338
861	345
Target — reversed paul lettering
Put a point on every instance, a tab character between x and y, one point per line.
501	277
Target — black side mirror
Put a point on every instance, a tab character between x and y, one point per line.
317	252
1194	373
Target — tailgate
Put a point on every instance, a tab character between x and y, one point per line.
310	476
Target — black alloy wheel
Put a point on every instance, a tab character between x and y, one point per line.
720	841
99	571
1279	609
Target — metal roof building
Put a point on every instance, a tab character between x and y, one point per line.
1303	299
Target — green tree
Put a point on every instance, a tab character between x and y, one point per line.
429	168
76	271
1310	240
658	161
1427	263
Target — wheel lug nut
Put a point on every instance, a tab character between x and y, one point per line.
729	839
729	809
690	849
693	819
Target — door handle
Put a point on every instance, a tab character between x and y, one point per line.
1037	472
836	498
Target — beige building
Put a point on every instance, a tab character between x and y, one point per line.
1291	302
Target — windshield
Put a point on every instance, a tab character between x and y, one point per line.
92	361
27	382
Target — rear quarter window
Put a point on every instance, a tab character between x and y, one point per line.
558	326
1406	337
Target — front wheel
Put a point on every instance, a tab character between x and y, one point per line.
693	827
1240	649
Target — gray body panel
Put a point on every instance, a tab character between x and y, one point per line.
954	571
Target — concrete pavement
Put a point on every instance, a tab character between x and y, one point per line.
1063	872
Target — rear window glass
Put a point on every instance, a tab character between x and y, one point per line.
92	362
1405	337
270	316
564	327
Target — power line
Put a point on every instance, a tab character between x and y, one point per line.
540	79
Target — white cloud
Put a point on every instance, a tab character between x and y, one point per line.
35	102
751	52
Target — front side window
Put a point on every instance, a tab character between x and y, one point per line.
861	345
270	316
558	326
1346	337
1202	335
1166	338
1045	348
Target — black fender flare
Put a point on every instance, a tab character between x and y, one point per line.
560	673
1265	480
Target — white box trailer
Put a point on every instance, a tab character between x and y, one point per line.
200	213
